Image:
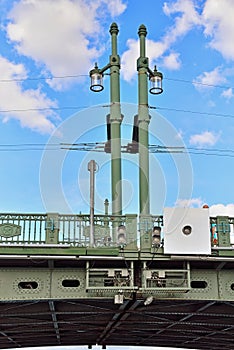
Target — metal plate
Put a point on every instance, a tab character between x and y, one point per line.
186	231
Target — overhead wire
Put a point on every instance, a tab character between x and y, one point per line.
188	149
69	76
219	115
83	107
193	112
198	83
42	78
99	147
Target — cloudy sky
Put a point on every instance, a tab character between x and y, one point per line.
47	49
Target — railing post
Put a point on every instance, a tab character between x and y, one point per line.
52	228
146	225
131	230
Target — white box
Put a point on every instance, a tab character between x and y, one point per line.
186	231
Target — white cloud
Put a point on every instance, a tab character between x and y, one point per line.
206	138
59	35
218	28
154	49
186	19
189	203
221	209
115	7
172	61
214	210
12	96
128	70
228	94
218	20
208	80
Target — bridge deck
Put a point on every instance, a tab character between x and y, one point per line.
56	289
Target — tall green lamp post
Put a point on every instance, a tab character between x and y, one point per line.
155	77
96	76
144	74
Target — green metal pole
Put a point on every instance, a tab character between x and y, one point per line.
115	123
143	120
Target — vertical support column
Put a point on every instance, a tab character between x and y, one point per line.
92	168
143	119
106	205
115	121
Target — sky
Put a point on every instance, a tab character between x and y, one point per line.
47	49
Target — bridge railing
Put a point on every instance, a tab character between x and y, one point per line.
106	231
54	228
222	231
22	228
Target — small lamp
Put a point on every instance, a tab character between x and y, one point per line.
156	236
96	79
121	238
156	82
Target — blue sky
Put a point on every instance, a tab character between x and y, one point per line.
47	49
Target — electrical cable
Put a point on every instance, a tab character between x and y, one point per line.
87	75
99	147
42	78
198	83
219	115
193	112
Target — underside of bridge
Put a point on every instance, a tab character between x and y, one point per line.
165	323
61	312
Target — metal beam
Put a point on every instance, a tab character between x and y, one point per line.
55	321
112	322
121	317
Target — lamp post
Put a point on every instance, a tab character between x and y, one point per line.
92	167
143	118
96	76
155	77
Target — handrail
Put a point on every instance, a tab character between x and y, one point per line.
57	230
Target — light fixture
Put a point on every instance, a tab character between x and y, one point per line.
96	79
119	298
156	236
121	237
155	78
148	300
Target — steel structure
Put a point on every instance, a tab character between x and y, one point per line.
118	279
58	289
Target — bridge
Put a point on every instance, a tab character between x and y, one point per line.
125	280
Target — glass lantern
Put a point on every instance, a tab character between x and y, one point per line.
156	82
96	80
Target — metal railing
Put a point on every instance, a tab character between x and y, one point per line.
108	230
22	228
53	228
